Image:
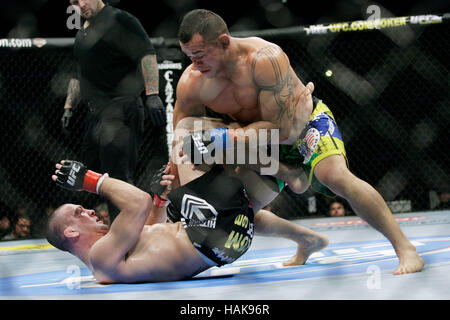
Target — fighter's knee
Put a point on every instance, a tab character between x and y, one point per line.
185	123
295	178
332	177
183	128
299	186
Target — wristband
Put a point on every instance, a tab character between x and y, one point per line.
100	181
220	137
93	180
160	203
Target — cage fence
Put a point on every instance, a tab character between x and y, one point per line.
387	86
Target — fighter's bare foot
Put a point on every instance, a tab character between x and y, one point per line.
307	246
410	262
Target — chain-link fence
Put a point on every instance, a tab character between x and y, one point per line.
389	92
387	87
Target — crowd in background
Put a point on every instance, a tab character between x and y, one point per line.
18	225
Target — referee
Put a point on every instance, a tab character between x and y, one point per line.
115	64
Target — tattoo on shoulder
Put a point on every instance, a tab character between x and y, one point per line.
283	85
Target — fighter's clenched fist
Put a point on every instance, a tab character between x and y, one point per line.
74	175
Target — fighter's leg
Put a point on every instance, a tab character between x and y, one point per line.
370	206
269	225
261	191
185	127
295	177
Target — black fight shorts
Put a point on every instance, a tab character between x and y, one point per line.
215	211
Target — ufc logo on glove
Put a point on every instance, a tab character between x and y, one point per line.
72	175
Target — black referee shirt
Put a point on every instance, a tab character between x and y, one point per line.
108	54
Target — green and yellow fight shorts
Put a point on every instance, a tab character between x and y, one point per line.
330	143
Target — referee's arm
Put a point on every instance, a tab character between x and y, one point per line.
150	72
73	94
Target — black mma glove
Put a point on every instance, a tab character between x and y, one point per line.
74	176
65	120
154	110
157	189
201	146
155	185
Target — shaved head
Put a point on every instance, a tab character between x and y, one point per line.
80	221
56	224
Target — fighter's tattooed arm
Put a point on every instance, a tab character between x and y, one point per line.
273	78
73	93
150	72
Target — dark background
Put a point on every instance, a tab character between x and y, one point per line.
396	135
47	18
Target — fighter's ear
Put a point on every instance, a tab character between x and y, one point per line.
224	40
71	232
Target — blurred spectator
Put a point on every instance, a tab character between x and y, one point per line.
337	209
444	204
5	226
21	228
21	210
101	211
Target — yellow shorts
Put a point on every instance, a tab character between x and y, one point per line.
330	143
